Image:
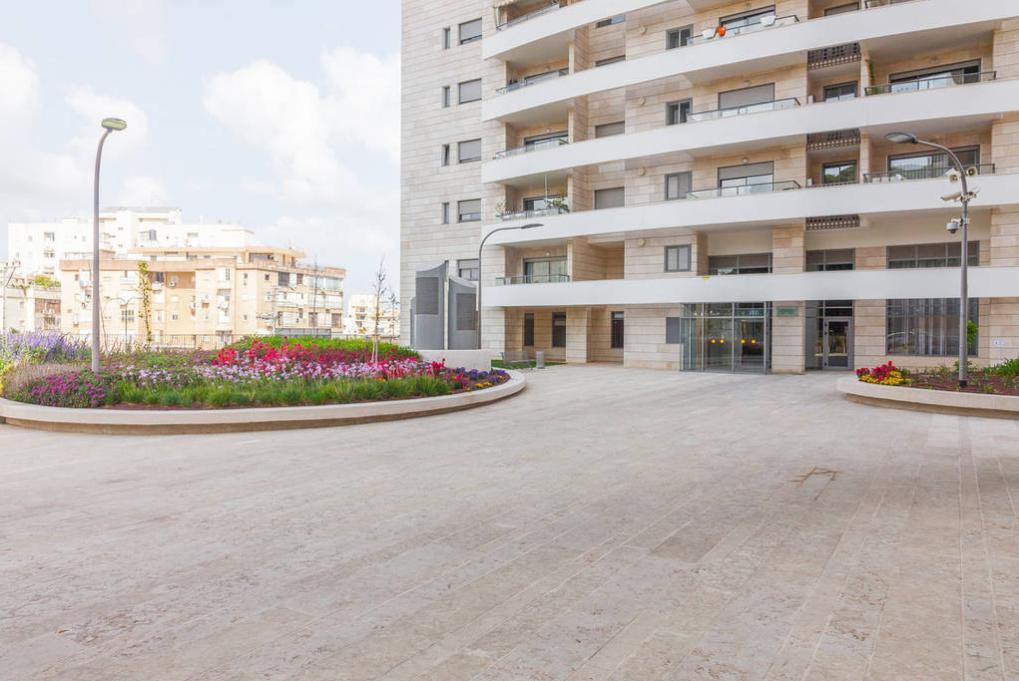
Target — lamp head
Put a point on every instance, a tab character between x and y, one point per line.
901	137
113	124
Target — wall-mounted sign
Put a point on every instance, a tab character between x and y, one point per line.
999	343
787	312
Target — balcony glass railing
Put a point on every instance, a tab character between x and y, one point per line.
533	80
922	173
550	7
540	145
532	213
932	82
744	190
761	24
776	105
883	3
533	279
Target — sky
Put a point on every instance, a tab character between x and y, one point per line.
280	115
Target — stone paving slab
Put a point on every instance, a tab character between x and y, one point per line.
609	523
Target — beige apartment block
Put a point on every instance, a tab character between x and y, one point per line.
202	297
710	185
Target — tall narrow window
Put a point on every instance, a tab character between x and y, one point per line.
470	31
677	112
445	213
445	154
617	329
446	38
528	329
559	330
678	37
445	97
470	91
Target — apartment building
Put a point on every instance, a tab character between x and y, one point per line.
364	309
713	180
39	247
201	297
28	304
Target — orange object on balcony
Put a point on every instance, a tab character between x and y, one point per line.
720	31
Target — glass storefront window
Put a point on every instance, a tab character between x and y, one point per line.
927	326
724	337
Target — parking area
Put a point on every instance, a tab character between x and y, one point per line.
607	523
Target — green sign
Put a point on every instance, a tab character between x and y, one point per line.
787	312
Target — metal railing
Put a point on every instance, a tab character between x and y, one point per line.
844	183
833	139
883	3
744	190
761	24
533	279
540	145
925	173
775	105
533	80
533	213
551	7
833	56
932	83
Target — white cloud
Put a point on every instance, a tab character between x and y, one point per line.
142	190
364	101
93	108
19	92
138	23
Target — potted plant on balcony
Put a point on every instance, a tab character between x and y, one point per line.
559	204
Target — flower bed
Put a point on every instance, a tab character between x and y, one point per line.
276	372
1002	379
28	349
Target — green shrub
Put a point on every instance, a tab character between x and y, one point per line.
1007	369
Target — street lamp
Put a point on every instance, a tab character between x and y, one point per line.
109	125
124	303
964	197
477	301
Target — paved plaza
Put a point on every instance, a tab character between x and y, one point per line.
607	523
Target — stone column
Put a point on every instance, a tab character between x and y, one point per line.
578	325
788	333
869	316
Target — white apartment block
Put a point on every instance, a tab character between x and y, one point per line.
363	310
712	179
38	247
28	305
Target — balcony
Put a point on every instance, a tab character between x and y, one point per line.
557	209
541	145
933	83
533	80
871	4
744	190
833	139
833	56
762	24
924	173
552	7
533	279
760	107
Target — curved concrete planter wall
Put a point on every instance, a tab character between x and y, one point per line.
126	421
937	401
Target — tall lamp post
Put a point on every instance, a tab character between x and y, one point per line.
963	197
109	125
477	301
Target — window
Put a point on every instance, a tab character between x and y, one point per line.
678	185
445	154
49	253
741	100
750	263
49	236
926	326
470	91
926	165
611	21
677	258
446	38
936	77
469	151
468	269
747	178
609	198
469	210
677	112
831	260
842	91
617	330
610	60
672	330
678	37
546	270
470	31
609	129
748	18
842	9
542	203
528	329
840	172
445	213
559	330
127	315
284	279
445	97
931	255
547	141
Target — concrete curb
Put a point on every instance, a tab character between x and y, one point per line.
123	421
934	401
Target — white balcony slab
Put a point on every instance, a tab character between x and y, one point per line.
957	105
985	282
532	40
921	24
783	207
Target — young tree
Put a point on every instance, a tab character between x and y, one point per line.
380	289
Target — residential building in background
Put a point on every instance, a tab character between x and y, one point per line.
713	180
29	304
39	247
202	297
361	317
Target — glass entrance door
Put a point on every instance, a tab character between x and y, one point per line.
718	344
749	348
836	343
